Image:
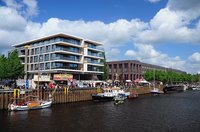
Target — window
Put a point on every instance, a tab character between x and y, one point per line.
42	66
35	58
48	48
53	56
73	66
31	59
47	66
53	47
47	57
41	58
37	51
41	50
36	66
32	51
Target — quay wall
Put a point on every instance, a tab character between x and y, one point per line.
60	96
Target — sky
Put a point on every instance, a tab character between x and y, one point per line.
160	32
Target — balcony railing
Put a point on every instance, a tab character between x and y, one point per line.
94	54
94	62
65	67
65	58
66	49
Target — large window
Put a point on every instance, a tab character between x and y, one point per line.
37	51
41	66
47	66
35	58
48	48
41	58
53	47
47	57
41	50
73	66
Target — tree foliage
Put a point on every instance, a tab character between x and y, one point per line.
11	67
171	77
104	68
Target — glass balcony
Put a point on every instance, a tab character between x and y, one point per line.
67	49
65	67
95	54
94	62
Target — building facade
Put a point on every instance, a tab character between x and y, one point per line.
132	69
124	70
62	53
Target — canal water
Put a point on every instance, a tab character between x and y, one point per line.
178	112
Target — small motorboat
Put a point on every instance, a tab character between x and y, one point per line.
119	99
156	91
109	94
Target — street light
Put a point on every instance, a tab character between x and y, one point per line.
26	58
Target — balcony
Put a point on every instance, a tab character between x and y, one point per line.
95	54
66	67
98	48
93	62
65	58
68	50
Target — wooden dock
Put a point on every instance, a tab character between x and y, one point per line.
63	95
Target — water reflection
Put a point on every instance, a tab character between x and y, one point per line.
171	112
46	112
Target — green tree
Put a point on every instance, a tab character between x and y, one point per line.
15	68
11	67
3	72
104	68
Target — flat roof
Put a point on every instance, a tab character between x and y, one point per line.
55	35
122	61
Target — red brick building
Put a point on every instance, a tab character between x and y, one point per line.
124	70
132	69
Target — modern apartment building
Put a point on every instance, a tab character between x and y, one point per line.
132	69
62	53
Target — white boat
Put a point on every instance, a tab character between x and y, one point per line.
119	99
109	94
155	90
30	105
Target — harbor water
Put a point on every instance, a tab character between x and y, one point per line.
177	112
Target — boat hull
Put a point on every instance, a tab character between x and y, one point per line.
172	89
96	97
42	105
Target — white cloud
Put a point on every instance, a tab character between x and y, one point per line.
195	57
12	4
187	9
32	8
147	53
130	53
170	24
25	7
153	1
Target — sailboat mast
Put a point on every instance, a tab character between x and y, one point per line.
38	75
154	77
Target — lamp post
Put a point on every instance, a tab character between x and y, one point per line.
25	61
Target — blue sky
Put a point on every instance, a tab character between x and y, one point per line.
161	32
103	10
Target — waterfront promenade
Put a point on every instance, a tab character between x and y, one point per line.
62	95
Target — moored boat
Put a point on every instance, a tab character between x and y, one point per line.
173	88
30	105
156	91
119	99
108	94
